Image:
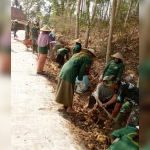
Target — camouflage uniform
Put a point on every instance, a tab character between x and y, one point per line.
34	31
131	107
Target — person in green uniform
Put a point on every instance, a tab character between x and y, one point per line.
35	33
43	47
76	66
114	68
130	93
15	28
27	30
61	53
125	139
77	47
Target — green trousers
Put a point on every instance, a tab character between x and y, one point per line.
129	114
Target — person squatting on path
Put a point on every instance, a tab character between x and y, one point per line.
15	28
114	68
61	54
43	47
34	33
71	69
105	92
77	47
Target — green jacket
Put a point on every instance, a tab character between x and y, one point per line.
16	26
73	68
76	49
125	142
63	52
115	69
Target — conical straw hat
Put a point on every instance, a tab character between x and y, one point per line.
117	55
78	40
45	28
91	51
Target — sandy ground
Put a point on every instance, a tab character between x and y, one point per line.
36	122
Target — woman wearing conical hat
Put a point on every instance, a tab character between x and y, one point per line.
77	47
114	69
71	69
43	47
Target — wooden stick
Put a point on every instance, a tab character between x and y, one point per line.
101	104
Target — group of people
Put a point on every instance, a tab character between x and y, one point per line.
111	91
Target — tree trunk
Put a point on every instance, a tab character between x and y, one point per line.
137	8
89	24
112	19
77	20
127	16
81	8
118	8
106	11
71	12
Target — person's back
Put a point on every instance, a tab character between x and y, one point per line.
104	92
74	68
77	48
62	51
124	139
129	92
52	35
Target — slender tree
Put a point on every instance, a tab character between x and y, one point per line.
128	13
77	20
118	7
112	19
89	24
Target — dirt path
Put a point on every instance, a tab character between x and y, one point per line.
36	122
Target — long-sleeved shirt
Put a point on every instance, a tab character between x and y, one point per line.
63	52
114	68
73	68
43	39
